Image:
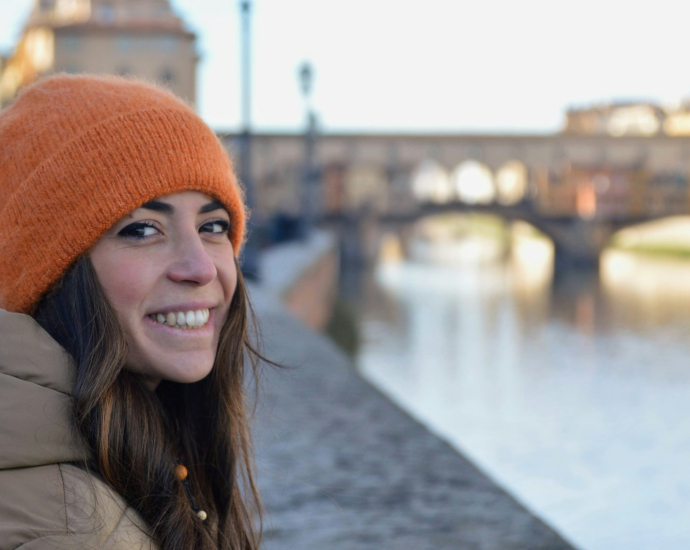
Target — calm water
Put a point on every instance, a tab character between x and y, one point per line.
573	394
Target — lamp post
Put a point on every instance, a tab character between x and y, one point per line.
250	259
310	175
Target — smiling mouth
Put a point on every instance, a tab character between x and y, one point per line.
185	320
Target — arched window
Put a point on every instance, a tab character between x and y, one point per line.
106	14
511	182
167	76
474	182
430	182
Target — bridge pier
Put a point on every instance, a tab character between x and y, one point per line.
578	243
359	237
564	260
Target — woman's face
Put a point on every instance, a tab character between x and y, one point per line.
168	270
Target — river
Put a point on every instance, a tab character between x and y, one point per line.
573	394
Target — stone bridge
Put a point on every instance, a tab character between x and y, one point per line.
576	240
577	189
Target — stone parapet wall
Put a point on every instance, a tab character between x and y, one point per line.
303	275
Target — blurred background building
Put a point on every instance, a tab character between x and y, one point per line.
143	38
630	119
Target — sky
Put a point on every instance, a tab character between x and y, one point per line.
488	66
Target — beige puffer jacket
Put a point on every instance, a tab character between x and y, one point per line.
45	502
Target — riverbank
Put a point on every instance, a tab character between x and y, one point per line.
341	468
668	237
303	276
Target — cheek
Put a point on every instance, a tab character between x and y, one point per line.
123	281
227	273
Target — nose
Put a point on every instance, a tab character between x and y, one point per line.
192	262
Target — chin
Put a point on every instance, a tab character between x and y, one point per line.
189	377
183	370
186	373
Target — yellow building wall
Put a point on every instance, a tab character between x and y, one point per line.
165	58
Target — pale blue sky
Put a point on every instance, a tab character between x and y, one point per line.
437	65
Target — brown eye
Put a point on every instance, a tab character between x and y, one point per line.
216	226
138	230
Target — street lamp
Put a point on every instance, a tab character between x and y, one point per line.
306	75
310	174
245	8
250	257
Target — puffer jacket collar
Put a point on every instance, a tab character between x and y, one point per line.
36	379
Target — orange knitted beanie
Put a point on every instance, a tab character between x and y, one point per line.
77	153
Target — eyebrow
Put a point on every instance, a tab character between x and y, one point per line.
158	206
165	208
211	206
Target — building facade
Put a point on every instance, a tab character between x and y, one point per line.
142	38
586	175
629	119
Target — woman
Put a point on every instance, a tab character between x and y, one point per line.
122	413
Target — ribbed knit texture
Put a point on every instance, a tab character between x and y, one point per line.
77	153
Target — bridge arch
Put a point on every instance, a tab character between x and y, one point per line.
468	237
511	183
431	182
473	182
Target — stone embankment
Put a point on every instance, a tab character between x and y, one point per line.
342	468
303	275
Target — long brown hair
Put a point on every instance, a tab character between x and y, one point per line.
136	436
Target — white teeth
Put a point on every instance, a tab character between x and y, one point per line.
190	318
183	319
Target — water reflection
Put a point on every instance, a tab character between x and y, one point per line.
571	392
645	291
